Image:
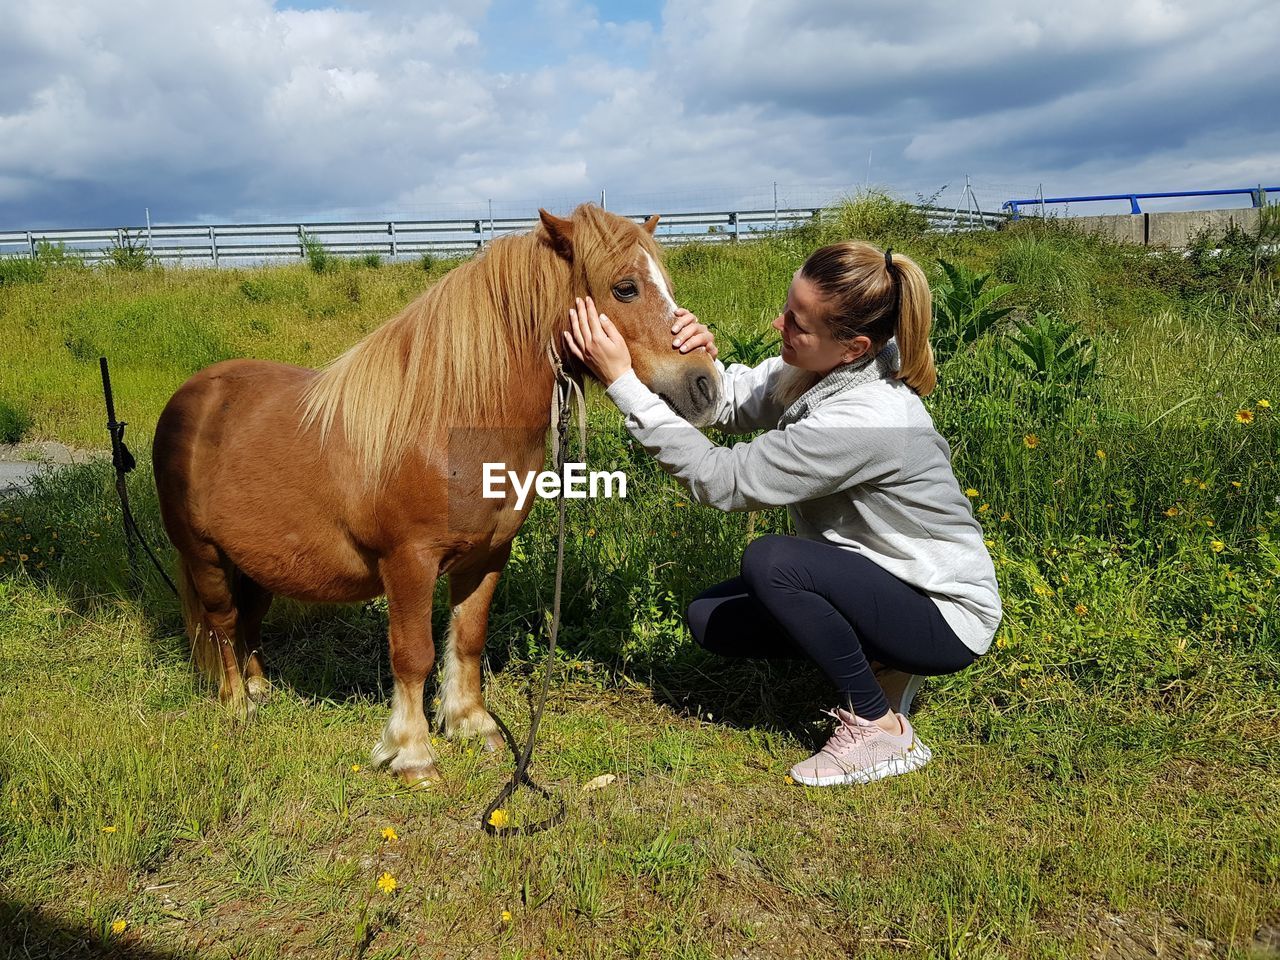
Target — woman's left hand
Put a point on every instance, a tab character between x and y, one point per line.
594	340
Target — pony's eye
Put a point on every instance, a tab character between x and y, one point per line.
626	290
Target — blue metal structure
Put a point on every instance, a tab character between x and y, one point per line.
1256	194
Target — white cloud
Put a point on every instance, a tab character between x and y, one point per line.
240	108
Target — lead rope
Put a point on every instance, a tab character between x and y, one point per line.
560	400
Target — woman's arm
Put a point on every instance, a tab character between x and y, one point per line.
815	457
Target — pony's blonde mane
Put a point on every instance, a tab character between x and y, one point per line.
446	360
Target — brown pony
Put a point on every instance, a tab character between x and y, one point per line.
366	477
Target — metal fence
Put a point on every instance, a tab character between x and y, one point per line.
393	239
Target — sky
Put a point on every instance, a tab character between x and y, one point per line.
247	110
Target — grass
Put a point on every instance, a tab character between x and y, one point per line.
1105	780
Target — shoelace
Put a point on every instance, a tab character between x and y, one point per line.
846	735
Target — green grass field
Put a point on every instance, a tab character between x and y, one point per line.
1106	782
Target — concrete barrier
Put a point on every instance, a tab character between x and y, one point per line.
1177	230
1124	228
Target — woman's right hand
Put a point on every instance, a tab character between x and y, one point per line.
691	333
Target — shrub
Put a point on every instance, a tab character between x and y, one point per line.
15	270
129	252
318	258
962	309
1056	361
15	422
372	260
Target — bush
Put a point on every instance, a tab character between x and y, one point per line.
130	253
318	258
15	270
15	423
962	309
874	215
372	260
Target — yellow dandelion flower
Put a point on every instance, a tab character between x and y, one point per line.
1210	523
984	508
1186	481
788	781
1001	642
591	532
1264	404
1172	512
355	768
23	557
1101	454
990	543
1041	590
506	916
1004	518
681	504
971	493
387	883
1217	546
1202	485
470	751
1244	416
389	835
118	926
499	818
1081	609
1236	484
1031	441
108	829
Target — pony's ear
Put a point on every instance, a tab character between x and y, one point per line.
651	224
561	233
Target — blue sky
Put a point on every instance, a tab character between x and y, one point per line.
245	109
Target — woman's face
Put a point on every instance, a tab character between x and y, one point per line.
807	342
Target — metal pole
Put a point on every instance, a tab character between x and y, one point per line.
150	250
491	220
31	244
775	206
602	203
391	229
213	245
1040	194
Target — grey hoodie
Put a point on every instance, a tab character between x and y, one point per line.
857	463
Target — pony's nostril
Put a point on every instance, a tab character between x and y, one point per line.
704	387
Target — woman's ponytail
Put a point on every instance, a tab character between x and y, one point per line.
878	294
915	316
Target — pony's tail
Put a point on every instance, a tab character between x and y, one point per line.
204	647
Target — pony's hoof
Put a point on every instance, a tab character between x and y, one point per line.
241	709
494	742
423	776
259	689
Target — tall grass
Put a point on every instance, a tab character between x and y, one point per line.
1114	756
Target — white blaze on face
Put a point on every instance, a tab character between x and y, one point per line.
660	283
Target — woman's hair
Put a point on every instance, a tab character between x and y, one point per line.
880	297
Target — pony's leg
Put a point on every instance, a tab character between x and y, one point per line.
462	708
252	603
212	583
406	739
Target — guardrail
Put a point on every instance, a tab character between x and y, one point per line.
1257	194
220	243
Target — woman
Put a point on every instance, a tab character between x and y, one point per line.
888	562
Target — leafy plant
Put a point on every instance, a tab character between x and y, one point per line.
318	258
1057	361
130	252
15	270
750	348
964	308
372	260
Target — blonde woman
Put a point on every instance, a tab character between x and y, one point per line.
888	563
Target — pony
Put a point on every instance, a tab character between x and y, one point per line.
365	477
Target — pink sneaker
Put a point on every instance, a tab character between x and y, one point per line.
859	752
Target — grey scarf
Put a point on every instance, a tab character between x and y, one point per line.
846	377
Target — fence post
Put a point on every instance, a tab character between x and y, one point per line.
213	246
391	229
302	243
31	244
480	234
733	218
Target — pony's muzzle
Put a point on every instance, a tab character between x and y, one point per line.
692	395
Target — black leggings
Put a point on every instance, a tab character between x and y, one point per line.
805	598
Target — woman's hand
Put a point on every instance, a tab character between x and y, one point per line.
594	340
691	334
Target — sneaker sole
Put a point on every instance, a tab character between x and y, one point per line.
913	759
